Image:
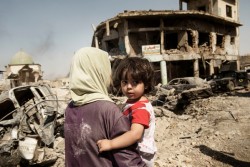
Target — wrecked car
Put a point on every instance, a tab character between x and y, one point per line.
27	121
180	91
185	83
228	80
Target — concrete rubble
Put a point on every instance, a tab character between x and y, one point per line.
197	128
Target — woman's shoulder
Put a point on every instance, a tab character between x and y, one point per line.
105	103
107	106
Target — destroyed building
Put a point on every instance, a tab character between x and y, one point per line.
180	43
22	70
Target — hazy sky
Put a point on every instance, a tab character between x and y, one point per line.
52	30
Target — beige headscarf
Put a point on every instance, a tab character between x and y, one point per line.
90	76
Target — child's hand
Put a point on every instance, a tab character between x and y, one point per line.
104	145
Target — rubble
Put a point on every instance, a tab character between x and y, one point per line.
28	121
214	128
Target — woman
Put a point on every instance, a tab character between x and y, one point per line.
92	115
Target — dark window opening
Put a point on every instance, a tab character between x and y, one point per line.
204	39
202	8
112	46
190	38
137	40
157	71
153	37
228	11
171	41
219	40
232	40
203	69
179	69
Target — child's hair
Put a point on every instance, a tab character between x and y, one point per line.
140	69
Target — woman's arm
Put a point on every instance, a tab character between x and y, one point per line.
125	140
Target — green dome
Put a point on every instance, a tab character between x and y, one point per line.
21	58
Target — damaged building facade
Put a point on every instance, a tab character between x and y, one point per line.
22	70
195	41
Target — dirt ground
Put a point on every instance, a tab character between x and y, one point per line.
211	132
214	131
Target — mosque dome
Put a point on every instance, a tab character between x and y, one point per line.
21	57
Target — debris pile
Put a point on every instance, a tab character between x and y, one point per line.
193	123
28	125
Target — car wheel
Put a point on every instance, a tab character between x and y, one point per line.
230	86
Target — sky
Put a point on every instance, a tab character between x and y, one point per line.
52	30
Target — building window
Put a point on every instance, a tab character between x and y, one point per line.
202	8
171	40
204	39
232	40
228	11
219	40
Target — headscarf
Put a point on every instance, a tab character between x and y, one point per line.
90	76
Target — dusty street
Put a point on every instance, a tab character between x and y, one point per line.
211	132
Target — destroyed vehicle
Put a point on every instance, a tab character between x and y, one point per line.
180	92
228	80
27	121
185	83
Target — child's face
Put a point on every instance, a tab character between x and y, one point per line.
133	89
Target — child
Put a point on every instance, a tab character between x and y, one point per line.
136	79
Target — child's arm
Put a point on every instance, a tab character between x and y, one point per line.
125	140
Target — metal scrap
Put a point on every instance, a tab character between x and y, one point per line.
28	122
